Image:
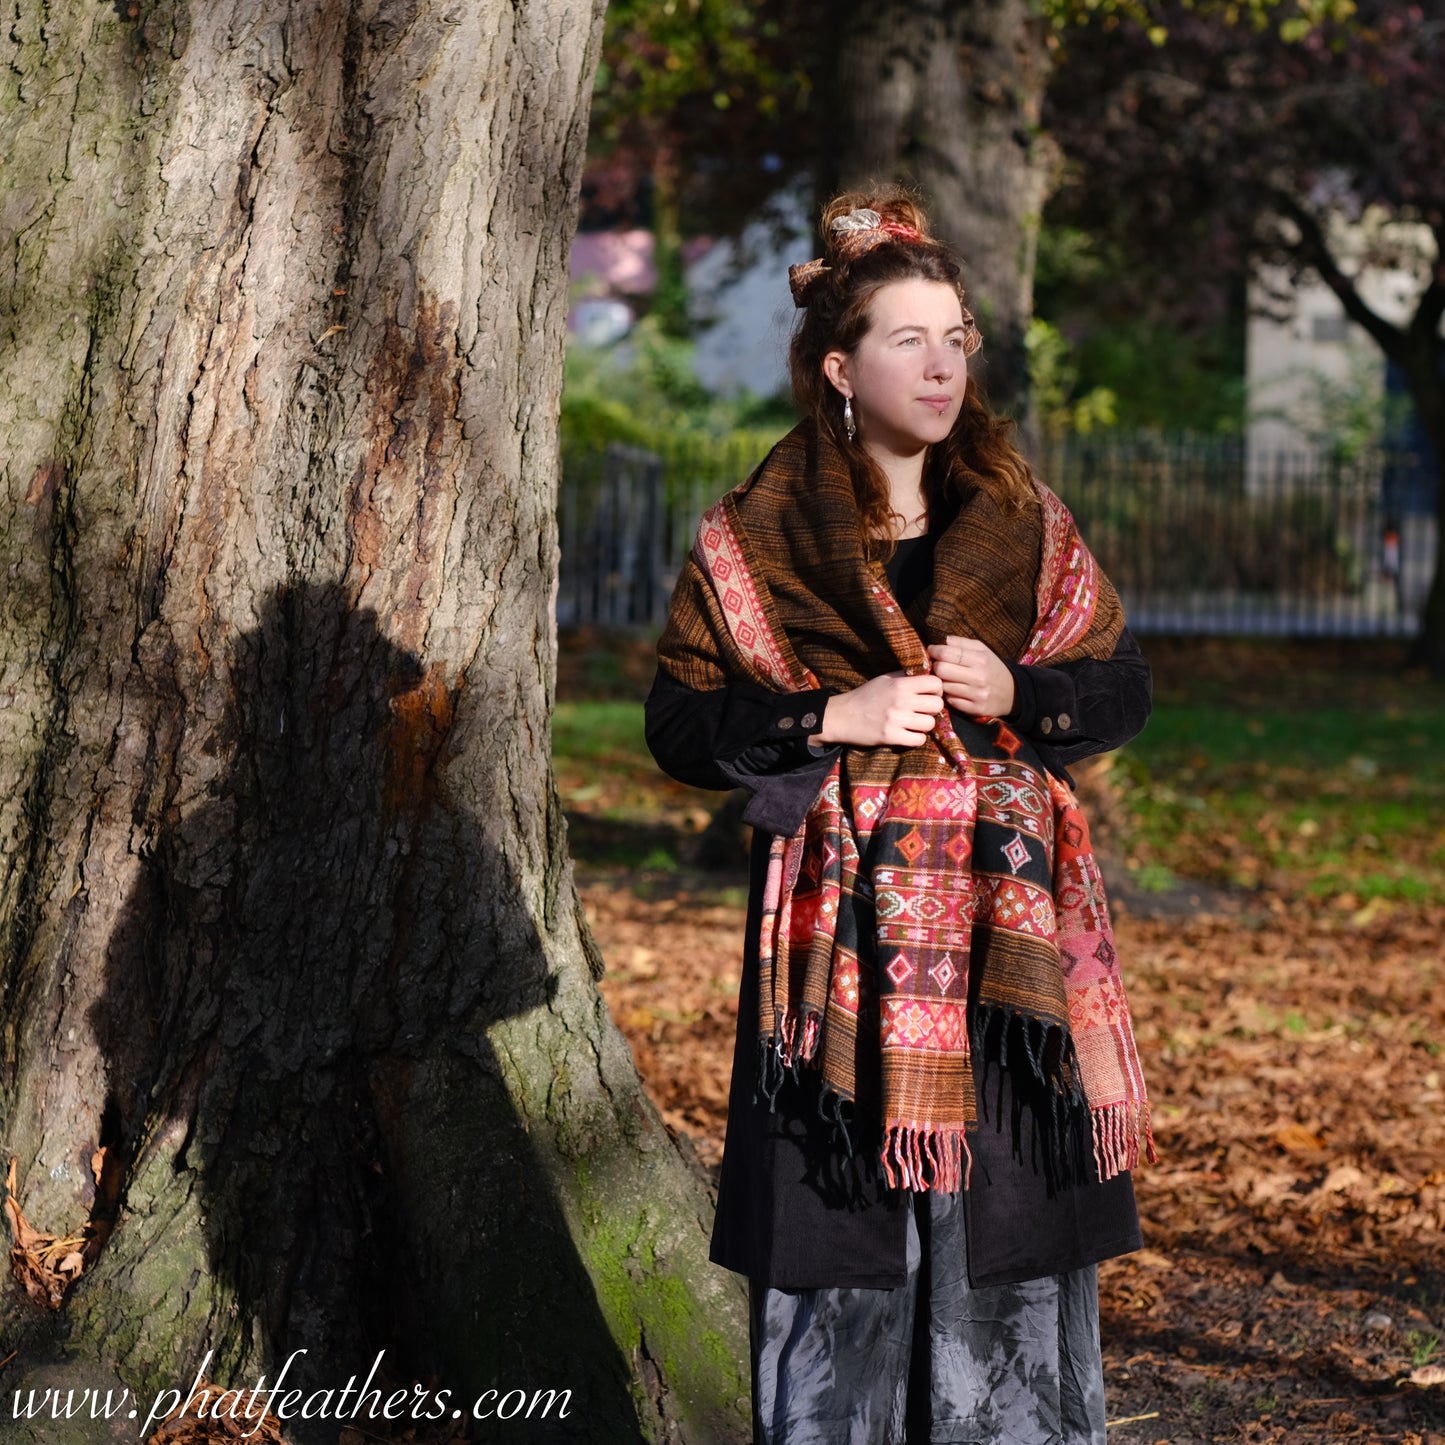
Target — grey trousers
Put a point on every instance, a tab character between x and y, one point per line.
933	1360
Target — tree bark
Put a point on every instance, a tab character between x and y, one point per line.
1428	650
947	95
298	1007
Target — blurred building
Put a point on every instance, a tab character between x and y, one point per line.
1317	382
738	296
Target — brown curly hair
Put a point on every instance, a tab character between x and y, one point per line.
979	449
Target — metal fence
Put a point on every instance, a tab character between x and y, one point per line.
626	519
1199	536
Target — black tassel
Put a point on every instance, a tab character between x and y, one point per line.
770	1072
830	1110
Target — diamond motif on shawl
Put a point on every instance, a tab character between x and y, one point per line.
949	1031
927	907
918	1096
959	847
1000	793
944	972
1105	953
1073	834
746	635
1084	890
889	904
911	845
1007	740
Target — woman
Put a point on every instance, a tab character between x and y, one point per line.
896	642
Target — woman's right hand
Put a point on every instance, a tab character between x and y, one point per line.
894	710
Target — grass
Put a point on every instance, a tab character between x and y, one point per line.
1335	801
1317	773
1422	1347
601	732
622	811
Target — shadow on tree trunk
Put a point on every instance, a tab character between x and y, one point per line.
319	1147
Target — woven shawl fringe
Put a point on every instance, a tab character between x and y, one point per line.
1117	1129
919	1158
774	1067
1038	1052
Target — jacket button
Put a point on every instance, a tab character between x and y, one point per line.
1065	721
810	720
1047	725
784	723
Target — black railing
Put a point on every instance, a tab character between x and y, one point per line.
627	518
1197	535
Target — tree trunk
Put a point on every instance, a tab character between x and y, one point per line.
1428	650
947	95
297	999
1423	368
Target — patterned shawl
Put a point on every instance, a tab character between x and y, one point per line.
939	902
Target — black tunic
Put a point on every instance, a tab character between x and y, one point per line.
801	1202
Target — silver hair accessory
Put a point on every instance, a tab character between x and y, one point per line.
849	425
859	220
854	234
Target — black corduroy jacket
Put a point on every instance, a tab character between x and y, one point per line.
801	1206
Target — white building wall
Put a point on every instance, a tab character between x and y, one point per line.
748	311
1303	353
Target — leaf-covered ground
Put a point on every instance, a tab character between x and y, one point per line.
1280	899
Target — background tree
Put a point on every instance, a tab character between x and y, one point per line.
722	104
948	96
698	112
1316	149
302	1046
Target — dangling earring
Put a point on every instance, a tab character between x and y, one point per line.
849	425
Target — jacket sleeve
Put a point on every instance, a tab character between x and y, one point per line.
742	736
1077	709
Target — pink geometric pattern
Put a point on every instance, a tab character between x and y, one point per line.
720	556
931	1024
900	970
919	898
943	972
1068	585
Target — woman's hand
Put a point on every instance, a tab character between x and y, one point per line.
975	680
894	710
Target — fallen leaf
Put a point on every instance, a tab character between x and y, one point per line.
1151	1259
1297	1137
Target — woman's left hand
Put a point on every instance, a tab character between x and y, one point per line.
975	680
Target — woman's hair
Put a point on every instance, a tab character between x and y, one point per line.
836	316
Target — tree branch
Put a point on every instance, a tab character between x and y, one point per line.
1314	249
1426	321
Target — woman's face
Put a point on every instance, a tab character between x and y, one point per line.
907	375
